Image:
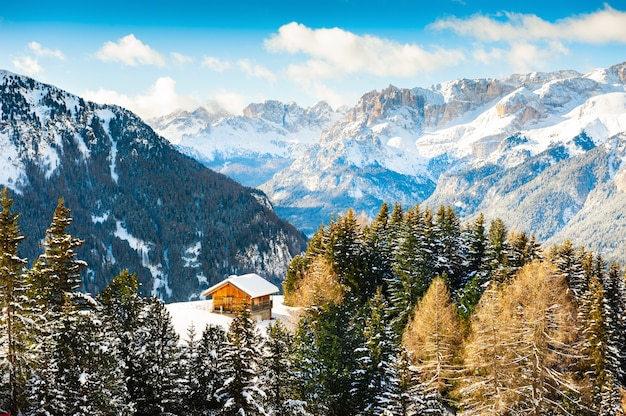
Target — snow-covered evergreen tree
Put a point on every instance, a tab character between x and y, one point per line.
568	261
277	375
615	357
306	367
241	393
122	309
77	371
413	268
14	356
498	250
55	276
448	253
476	271
85	378
203	376
158	379
375	374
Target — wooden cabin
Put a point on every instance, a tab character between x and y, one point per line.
249	289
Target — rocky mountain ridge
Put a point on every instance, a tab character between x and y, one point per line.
466	143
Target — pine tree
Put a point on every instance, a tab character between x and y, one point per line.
207	367
498	250
277	375
523	250
86	378
307	366
375	373
413	268
569	263
615	356
476	269
434	338
56	274
592	320
345	251
379	250
123	309
13	323
158	378
190	371
241	393
448	256
54	280
520	357
325	344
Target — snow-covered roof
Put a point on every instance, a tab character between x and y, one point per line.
251	283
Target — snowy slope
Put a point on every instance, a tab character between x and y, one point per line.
198	313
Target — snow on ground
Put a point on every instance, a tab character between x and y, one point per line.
199	313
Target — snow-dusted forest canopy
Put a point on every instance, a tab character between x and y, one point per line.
410	314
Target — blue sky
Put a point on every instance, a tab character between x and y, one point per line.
154	57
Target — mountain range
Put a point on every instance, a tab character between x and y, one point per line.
137	202
543	151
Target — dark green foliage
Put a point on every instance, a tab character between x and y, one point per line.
201	378
85	378
498	250
344	251
306	368
157	384
376	374
204	399
76	369
277	373
324	357
241	392
413	265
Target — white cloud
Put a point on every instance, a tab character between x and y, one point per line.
604	26
215	64
180	59
29	64
522	56
336	52
527	57
230	101
160	99
40	51
131	51
245	65
255	71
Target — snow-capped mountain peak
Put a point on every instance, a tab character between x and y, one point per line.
422	144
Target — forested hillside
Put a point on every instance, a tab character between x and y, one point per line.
411	314
470	317
138	203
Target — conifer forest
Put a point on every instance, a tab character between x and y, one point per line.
413	313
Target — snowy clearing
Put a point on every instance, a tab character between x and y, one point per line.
199	313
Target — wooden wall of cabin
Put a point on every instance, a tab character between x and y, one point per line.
229	298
